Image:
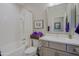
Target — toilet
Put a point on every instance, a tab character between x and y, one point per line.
32	51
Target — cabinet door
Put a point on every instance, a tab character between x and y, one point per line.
73	49
52	52
47	51
58	46
69	54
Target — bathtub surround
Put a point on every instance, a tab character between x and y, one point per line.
9	31
13	19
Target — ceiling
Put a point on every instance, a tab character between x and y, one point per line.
37	4
37	9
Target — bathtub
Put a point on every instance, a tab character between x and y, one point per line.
17	52
13	49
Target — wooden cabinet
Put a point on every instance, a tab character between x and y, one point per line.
52	49
58	49
59	46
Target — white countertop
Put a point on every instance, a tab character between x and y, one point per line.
61	39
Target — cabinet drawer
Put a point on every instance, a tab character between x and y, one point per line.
69	54
44	43
73	49
53	52
59	46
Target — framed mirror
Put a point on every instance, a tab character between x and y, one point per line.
56	18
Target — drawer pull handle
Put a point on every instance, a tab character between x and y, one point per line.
74	50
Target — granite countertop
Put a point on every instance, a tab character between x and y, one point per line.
61	39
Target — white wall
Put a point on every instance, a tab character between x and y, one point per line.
9	27
39	12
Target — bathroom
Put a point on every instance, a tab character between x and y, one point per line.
39	29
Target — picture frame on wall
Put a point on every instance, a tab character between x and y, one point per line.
38	24
58	24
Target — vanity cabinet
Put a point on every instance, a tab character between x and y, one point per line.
58	49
